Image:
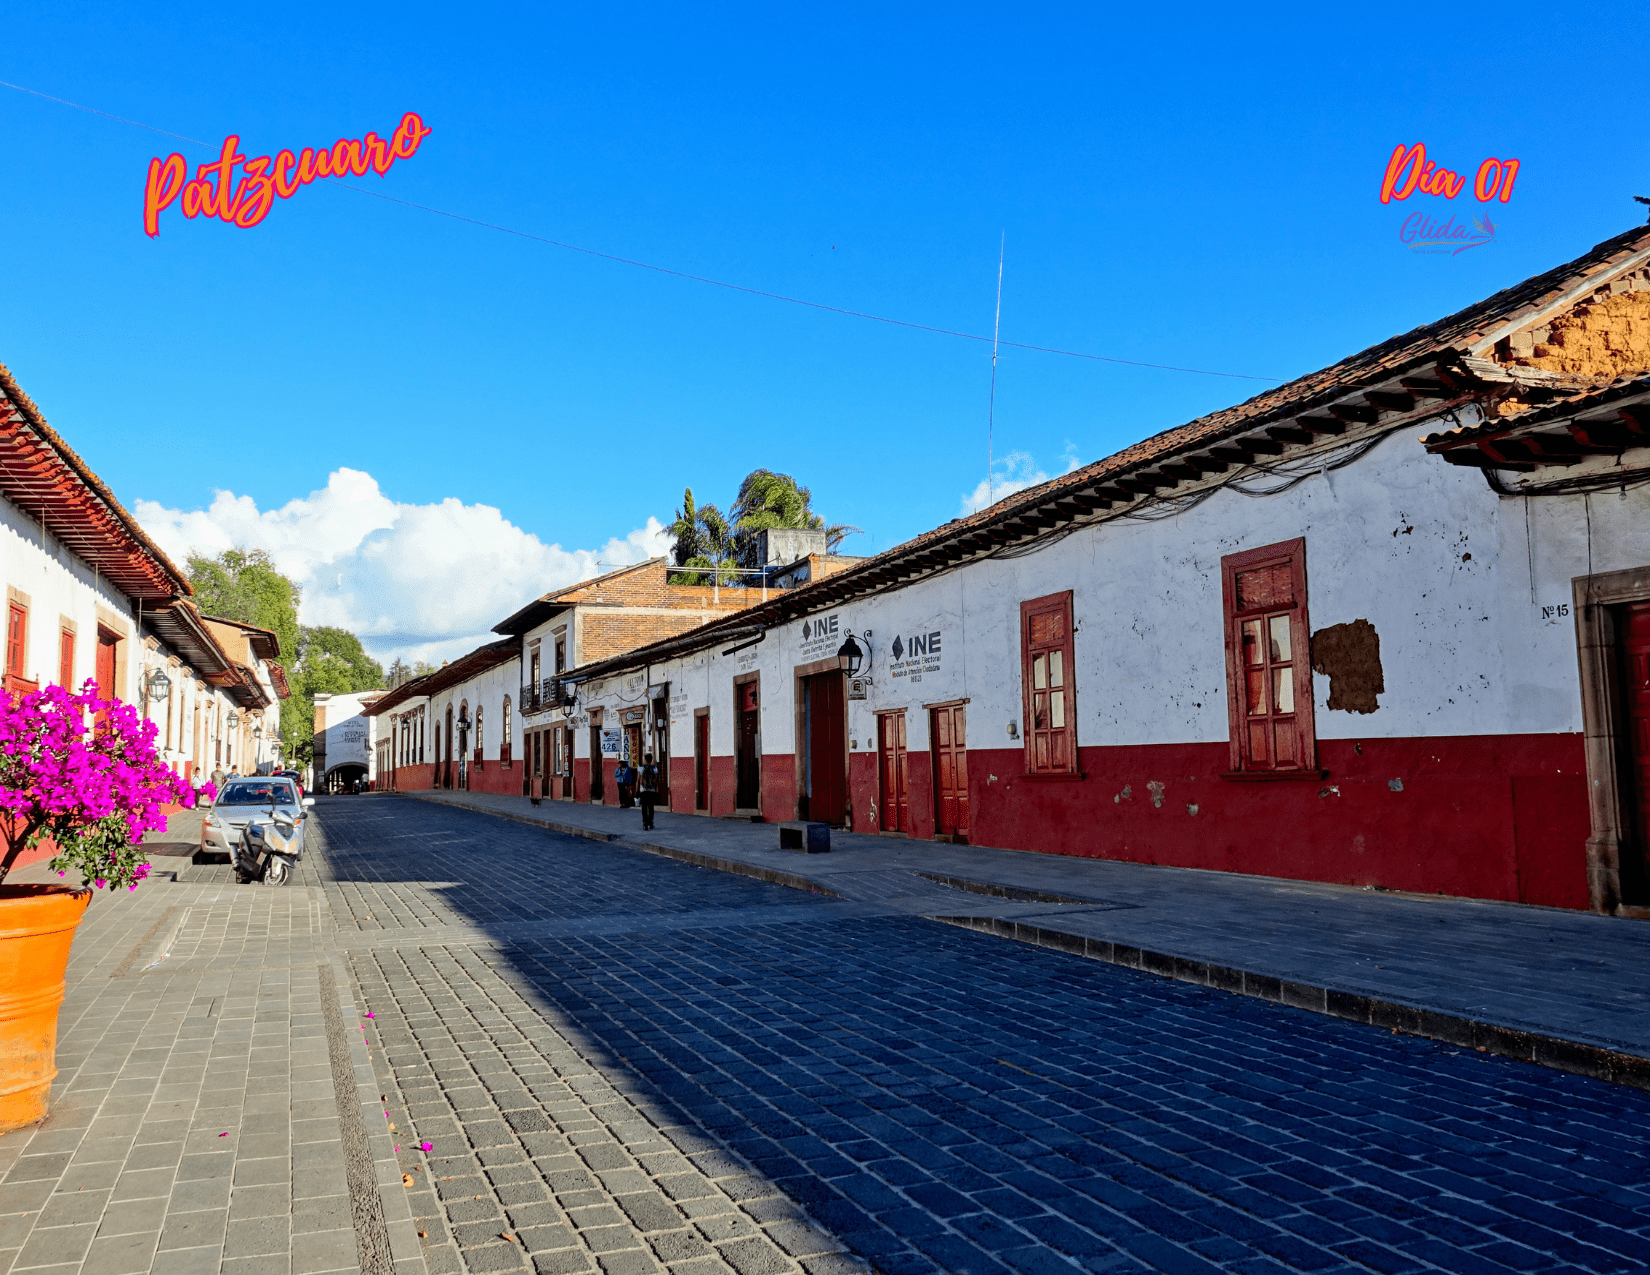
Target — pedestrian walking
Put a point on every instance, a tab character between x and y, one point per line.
647	785
218	777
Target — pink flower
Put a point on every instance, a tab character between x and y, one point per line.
426	1146
368	1014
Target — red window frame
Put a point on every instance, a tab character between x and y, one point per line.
17	637
1269	662
65	659
1048	681
504	735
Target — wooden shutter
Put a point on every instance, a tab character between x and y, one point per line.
65	660
1268	661
16	632
1048	679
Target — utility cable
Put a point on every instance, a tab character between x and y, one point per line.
682	274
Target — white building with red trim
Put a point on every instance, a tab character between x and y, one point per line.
1387	625
90	596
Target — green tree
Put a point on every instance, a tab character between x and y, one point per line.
333	660
703	539
767	501
243	584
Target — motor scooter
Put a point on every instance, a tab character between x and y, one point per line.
267	850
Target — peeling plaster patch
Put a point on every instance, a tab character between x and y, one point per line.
1156	790
1334	790
990	781
1397	785
1125	795
1191	807
1350	656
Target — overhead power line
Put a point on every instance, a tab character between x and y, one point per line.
683	274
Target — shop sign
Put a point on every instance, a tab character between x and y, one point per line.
820	638
910	656
612	742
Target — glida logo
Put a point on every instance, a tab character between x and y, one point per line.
1424	234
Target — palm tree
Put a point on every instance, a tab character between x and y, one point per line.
703	539
767	500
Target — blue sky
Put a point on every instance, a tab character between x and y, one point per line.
1193	185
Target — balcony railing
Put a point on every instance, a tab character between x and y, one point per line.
542	697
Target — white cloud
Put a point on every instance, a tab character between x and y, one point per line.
416	581
1011	473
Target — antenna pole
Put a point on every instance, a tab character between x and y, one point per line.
991	410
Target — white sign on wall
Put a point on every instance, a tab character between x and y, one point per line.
820	638
912	655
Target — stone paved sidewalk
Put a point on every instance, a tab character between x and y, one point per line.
211	1110
1437	966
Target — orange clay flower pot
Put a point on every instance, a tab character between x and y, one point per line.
37	925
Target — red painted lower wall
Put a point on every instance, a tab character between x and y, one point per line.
1492	817
491	776
1489	817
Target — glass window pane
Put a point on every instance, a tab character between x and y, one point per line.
1251	642
1056	668
1257	690
1283	682
1280	638
1039	672
1057	707
1039	712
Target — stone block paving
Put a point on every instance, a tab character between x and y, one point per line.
540	1159
480	871
195	1123
937	1100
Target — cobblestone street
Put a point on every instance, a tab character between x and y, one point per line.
627	1063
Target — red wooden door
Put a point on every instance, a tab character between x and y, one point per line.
827	759
701	762
748	751
950	742
105	673
896	791
1636	691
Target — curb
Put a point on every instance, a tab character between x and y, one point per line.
1405	1020
1596	1061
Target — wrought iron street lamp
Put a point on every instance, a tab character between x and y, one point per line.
849	656
233	720
160	686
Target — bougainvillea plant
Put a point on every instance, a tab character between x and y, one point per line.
82	771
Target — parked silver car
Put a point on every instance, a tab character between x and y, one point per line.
252	798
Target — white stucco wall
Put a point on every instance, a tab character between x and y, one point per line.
60	586
1471	607
348	736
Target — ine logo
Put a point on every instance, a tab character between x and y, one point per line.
821	628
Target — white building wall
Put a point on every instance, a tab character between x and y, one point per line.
1472	609
60	586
